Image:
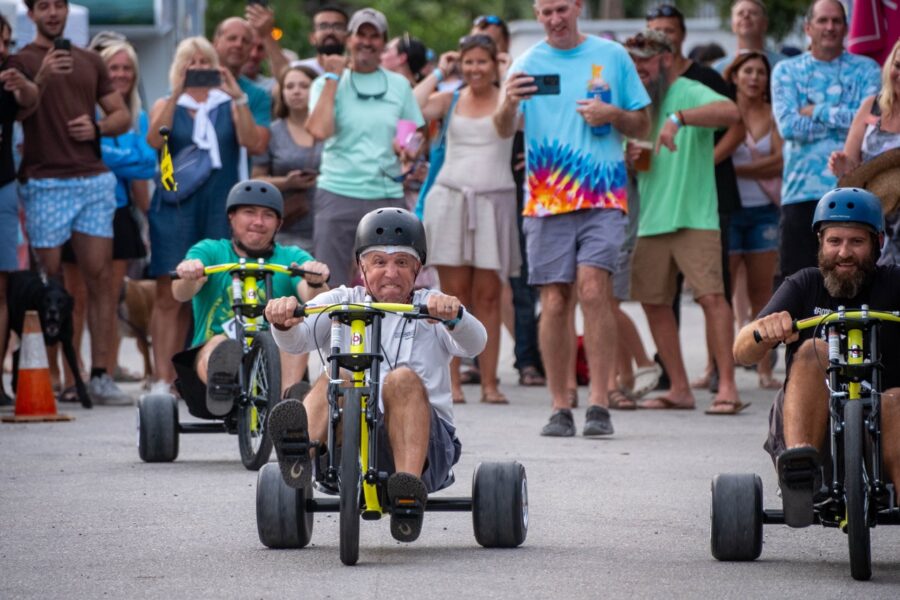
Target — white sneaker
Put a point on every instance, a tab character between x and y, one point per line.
104	391
159	387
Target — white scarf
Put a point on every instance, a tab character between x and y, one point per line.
204	134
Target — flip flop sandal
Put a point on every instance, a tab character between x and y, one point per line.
663	403
800	477
290	436
619	401
70	394
408	497
731	407
530	376
645	380
222	380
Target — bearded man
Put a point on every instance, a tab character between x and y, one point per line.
849	225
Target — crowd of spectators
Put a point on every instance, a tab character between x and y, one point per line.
646	167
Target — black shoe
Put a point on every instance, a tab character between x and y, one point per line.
288	429
597	422
222	382
408	496
561	424
800	477
664	383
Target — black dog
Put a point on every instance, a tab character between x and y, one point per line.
28	290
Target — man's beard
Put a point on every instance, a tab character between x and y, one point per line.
657	90
845	285
330	46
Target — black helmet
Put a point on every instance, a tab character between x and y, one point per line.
255	193
390	227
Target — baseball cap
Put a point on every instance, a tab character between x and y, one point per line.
368	16
648	43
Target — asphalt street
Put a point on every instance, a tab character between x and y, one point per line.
82	517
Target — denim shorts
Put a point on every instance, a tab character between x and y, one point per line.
754	229
54	208
557	244
9	226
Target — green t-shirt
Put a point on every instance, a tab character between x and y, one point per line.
359	160
258	100
212	304
679	190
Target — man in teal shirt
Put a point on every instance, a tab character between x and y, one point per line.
354	109
255	210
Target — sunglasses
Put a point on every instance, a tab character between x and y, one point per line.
664	10
478	40
377	96
402	176
485	20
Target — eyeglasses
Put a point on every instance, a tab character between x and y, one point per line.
335	27
664	10
377	96
485	20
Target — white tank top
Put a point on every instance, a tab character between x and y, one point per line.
752	195
477	157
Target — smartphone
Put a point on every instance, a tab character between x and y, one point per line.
62	44
547	85
202	78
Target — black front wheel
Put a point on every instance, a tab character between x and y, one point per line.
500	504
282	518
350	478
262	385
736	516
856	487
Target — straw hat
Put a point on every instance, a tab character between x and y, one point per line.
881	176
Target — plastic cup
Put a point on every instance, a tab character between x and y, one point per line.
643	160
405	131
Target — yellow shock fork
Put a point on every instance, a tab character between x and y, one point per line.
357	346
250	296
854	357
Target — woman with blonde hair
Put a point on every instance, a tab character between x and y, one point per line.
202	116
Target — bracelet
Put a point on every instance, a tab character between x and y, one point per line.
242	101
332	76
438	74
681	117
674	118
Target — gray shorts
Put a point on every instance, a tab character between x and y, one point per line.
335	229
557	244
622	277
444	449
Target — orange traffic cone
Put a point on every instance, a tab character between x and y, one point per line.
34	392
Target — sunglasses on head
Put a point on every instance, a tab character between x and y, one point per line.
485	20
478	40
664	10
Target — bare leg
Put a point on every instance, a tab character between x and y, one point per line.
456	281
741	300
293	366
720	331
115	289
74	284
665	334
571	379
168	328
890	435
555	340
486	295
202	364
806	397
506	309
630	348
94	256
760	271
407	418
600	335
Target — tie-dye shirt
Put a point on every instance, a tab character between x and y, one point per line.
568	167
836	88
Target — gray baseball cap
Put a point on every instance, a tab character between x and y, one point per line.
368	16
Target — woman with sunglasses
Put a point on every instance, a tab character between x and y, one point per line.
753	234
470	212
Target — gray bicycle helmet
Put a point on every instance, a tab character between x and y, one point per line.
390	227
255	193
849	205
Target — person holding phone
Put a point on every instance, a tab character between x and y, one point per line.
574	217
66	189
470	211
291	162
215	118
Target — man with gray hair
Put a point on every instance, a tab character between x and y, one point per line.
749	22
354	108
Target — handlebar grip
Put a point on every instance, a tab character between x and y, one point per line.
300	311
423	310
174	275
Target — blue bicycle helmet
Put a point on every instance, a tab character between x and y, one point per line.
849	205
255	193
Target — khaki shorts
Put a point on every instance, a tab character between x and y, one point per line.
657	259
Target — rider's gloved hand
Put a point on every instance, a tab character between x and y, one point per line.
775	328
191	270
280	312
443	307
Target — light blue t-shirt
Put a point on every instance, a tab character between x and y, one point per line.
359	159
567	167
836	88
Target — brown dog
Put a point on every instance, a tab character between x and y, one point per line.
135	308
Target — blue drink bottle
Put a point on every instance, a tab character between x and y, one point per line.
601	91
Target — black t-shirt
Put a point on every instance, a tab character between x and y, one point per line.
726	181
803	295
8	109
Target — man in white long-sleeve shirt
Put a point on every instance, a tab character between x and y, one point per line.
415	404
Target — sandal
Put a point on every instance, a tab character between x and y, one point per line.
722	406
767	382
531	376
70	394
470	376
619	401
494	398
